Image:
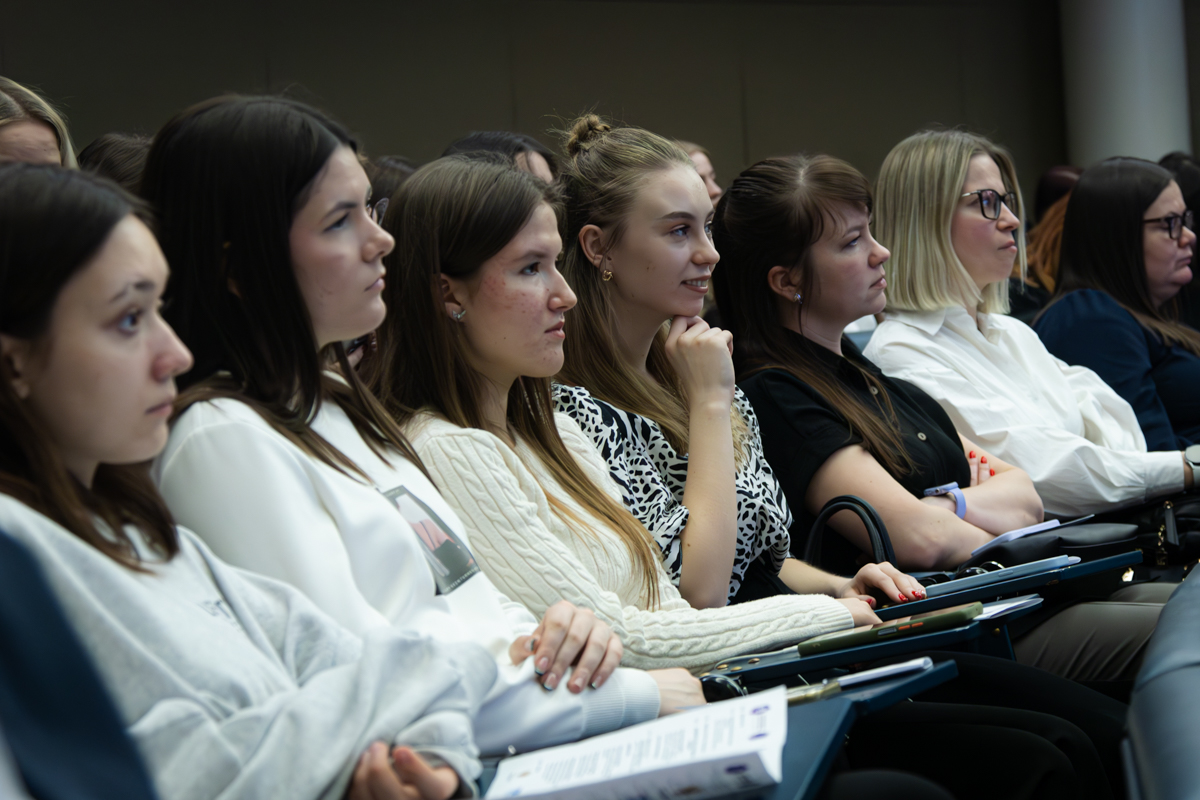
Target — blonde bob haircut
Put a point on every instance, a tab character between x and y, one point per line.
19	103
918	191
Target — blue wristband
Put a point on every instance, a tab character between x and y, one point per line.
960	500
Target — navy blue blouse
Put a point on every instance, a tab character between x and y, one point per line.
1088	327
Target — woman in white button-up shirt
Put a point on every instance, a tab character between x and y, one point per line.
948	206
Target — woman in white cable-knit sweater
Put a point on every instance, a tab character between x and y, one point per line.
476	330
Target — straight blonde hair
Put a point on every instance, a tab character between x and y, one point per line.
604	169
918	191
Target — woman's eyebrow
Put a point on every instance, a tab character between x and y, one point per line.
677	215
144	285
345	205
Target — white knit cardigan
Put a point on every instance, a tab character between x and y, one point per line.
535	557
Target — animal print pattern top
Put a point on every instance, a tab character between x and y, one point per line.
651	475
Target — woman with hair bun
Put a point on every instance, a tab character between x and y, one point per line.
1126	253
658	400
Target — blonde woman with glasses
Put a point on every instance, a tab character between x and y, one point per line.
949	208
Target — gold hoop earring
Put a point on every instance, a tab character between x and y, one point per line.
606	275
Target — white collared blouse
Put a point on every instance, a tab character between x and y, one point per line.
1078	440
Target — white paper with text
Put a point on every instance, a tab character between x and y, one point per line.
716	749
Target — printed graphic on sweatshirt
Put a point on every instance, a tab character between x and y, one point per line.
450	560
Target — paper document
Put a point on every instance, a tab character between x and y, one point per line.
715	749
1017	534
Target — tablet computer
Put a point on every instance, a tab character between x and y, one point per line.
917	624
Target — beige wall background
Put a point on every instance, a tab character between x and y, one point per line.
746	79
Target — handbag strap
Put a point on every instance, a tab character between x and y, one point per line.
881	543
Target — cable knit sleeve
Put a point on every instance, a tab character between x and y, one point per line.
532	557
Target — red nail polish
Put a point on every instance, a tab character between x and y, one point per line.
983	460
972	454
993	472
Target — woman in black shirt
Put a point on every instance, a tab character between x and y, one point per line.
798	264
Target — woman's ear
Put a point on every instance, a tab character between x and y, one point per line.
452	290
784	282
16	353
591	240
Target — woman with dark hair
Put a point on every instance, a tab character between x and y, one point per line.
1127	251
526	152
231	685
117	156
388	174
292	469
799	265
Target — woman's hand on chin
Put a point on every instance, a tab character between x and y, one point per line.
895	585
570	636
702	357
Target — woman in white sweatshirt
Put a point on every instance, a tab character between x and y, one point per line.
231	685
288	468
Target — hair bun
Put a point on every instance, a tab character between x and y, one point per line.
584	133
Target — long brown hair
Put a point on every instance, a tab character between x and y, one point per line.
603	172
771	215
449	218
52	222
226	178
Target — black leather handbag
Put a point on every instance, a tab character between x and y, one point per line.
881	544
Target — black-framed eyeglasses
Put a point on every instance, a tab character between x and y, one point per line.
1175	223
990	200
377	209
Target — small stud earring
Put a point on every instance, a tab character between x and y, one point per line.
799	299
606	275
458	315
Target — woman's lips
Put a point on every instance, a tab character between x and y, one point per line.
557	331
162	409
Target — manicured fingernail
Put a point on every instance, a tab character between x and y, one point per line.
542	665
550	682
992	471
594	685
577	685
871	601
983	460
972	454
531	645
919	594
